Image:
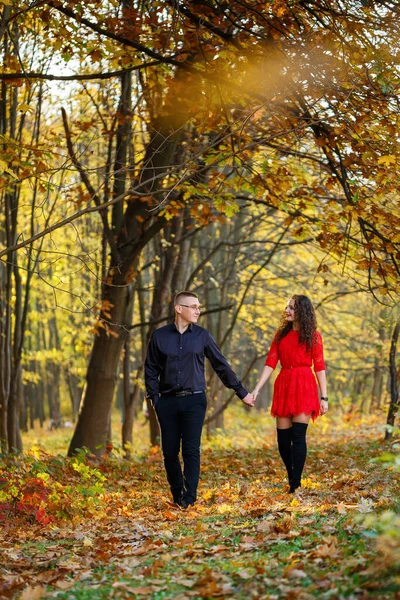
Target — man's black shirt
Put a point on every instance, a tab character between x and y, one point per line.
175	361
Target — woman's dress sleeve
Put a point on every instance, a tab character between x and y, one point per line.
273	354
318	353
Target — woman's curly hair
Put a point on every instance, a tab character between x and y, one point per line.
304	314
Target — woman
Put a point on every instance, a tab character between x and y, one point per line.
297	345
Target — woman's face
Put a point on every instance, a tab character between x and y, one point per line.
289	310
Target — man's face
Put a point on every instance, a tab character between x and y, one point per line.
188	308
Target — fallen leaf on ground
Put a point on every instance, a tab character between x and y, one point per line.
33	593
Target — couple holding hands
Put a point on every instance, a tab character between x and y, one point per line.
175	384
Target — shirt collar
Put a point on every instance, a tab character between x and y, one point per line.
174	328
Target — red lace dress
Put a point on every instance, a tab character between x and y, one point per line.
296	389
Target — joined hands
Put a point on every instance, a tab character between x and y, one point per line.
249	399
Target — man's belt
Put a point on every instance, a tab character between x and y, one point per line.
181	393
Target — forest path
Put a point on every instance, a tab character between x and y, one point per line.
246	537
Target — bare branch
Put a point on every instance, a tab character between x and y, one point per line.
113	36
171	316
85	77
225	405
90	188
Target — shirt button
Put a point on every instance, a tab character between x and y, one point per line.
180	347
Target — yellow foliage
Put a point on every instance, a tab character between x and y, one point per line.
388	159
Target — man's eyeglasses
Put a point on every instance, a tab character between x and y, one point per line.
193	307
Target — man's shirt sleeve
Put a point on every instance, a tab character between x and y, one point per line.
222	367
152	367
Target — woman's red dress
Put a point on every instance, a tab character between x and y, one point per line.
295	389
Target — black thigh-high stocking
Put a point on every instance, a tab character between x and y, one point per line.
285	450
299	453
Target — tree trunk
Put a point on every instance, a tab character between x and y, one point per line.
131	400
134	398
5	291
394	388
94	416
217	322
14	438
9	409
377	385
5	351
379	368
128	397
139	227
11	388
74	392
54	375
182	267
265	396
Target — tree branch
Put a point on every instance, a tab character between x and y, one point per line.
85	179
113	36
221	409
171	316
265	263
86	77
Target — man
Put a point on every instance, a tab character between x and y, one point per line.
175	383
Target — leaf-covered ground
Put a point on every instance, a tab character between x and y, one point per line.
92	530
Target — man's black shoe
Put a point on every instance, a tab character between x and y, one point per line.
186	504
178	499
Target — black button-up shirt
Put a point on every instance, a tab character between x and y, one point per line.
175	361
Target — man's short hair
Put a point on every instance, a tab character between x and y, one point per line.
179	295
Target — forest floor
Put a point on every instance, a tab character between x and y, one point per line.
86	529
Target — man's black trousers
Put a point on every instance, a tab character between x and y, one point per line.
181	419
